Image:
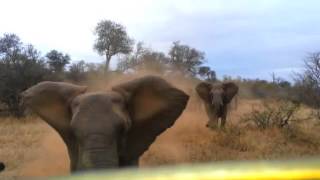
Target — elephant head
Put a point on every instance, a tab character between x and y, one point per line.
2	166
216	97
111	128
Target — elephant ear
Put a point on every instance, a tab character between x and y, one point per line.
203	89
51	101
153	106
230	89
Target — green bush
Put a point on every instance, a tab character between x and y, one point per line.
20	67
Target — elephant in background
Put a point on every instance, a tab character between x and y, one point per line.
2	166
216	97
107	129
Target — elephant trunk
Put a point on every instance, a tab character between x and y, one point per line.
97	153
216	100
214	108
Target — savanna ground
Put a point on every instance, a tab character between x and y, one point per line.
29	147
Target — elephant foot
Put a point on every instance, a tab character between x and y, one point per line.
212	127
216	127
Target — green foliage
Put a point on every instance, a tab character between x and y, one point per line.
111	39
207	73
20	68
185	58
57	61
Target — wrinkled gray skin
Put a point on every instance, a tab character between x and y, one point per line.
107	129
216	97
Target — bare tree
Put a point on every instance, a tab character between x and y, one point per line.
307	83
111	39
77	71
312	67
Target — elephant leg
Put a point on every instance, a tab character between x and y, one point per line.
223	117
124	159
213	119
73	150
132	162
213	123
73	155
223	122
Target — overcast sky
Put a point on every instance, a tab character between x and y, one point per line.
248	38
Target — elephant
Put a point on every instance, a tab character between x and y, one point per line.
107	129
216	97
2	166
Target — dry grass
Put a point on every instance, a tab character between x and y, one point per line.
190	142
19	138
30	148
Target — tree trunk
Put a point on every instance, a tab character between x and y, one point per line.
108	58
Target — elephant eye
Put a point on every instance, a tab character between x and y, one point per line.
75	104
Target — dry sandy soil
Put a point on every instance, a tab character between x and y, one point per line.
29	147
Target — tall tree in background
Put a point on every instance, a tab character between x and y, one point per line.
207	73
212	76
143	57
10	46
185	58
307	83
132	60
203	71
57	60
77	71
112	39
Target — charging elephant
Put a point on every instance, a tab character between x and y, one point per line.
216	97
107	129
2	166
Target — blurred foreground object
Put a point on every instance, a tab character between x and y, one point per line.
295	169
2	166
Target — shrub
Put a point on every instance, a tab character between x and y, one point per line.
20	67
273	114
